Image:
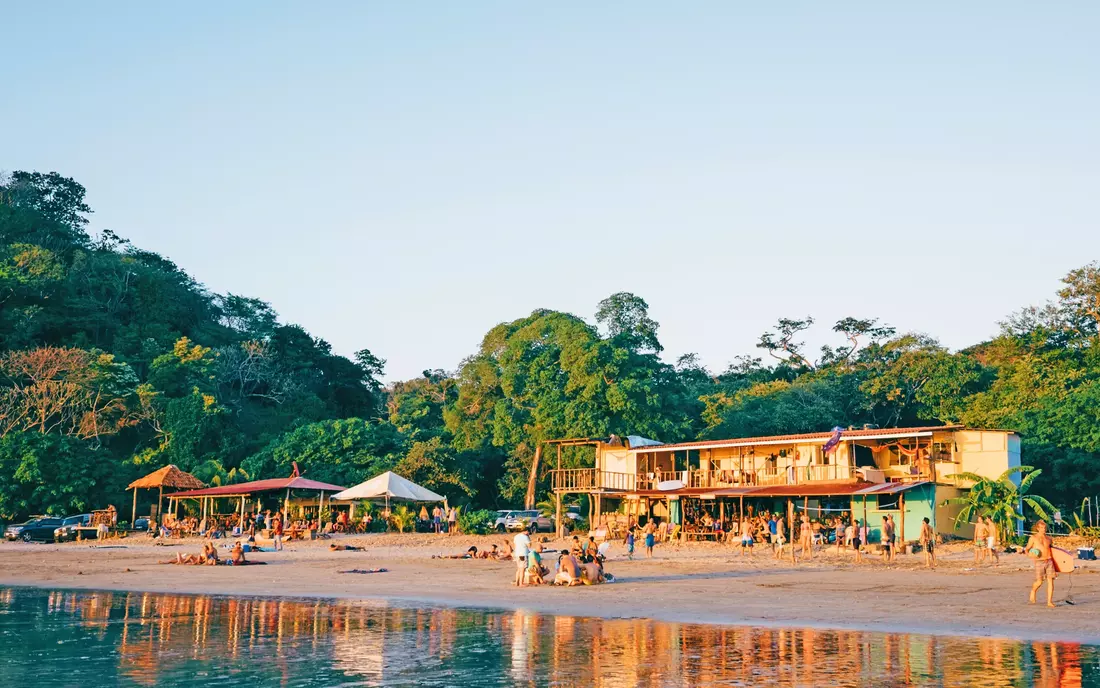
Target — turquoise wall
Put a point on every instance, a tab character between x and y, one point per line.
920	502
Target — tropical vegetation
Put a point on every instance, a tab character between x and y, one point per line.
114	362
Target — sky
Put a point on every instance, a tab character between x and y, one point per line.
403	176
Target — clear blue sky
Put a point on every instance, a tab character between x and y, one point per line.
402	176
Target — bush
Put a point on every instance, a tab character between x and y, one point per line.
480	522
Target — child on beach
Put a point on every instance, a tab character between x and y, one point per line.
629	542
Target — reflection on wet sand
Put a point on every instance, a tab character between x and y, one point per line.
162	639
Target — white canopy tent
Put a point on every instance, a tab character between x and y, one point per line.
389	486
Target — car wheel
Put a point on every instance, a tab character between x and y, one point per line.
534	528
500	527
27	537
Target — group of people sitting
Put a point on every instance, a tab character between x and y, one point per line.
581	564
209	557
495	552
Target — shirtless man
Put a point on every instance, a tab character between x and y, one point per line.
979	541
991	540
887	540
746	536
569	570
1038	548
780	536
928	543
650	530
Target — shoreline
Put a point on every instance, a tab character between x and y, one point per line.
698	583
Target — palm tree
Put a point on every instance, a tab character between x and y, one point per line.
1000	499
403	518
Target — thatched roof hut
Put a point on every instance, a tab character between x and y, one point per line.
169	476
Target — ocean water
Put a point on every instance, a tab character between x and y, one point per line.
89	638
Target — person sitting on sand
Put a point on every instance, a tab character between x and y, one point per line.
505	552
344	548
535	570
592	574
236	555
492	553
569	570
210	554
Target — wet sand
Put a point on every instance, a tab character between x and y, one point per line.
695	582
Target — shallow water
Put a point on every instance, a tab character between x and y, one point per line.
83	638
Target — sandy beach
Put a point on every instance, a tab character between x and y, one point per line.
694	582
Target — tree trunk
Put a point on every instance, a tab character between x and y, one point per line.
532	481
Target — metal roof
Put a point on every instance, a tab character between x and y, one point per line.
877	433
270	485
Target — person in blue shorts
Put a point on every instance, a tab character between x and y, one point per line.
629	542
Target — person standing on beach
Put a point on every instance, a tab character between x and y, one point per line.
1038	548
650	530
928	543
629	542
277	532
772	527
521	545
887	540
452	520
780	536
806	538
979	541
991	539
893	538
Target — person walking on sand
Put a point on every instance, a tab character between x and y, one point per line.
1038	548
649	531
746	536
980	543
887	539
629	542
452	520
928	543
991	540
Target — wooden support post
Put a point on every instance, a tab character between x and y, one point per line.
240	519
790	526
901	526
558	524
160	499
133	513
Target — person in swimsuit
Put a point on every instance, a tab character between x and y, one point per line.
979	541
780	536
928	543
991	540
650	529
1038	548
806	538
746	536
857	541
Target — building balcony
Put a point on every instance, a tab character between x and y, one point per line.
591	480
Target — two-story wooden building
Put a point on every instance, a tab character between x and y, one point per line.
865	473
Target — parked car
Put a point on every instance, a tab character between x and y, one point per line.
67	530
502	516
531	520
40	528
141	523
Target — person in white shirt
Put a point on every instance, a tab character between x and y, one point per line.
522	542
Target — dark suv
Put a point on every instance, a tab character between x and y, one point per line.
35	529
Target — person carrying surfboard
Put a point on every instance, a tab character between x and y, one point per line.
1039	548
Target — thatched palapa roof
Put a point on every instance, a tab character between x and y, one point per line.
169	476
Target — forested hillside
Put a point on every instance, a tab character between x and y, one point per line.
114	362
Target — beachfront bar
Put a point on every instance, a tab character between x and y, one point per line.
861	473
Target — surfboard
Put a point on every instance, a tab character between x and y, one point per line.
1063	560
666	485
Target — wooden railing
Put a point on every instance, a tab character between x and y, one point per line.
591	480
